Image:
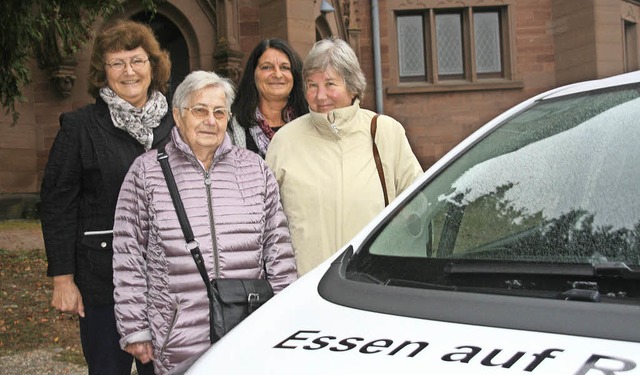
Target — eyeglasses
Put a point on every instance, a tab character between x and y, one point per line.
202	112
119	65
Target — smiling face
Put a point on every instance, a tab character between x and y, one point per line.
273	77
327	91
203	135
131	84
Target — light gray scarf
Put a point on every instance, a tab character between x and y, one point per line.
138	122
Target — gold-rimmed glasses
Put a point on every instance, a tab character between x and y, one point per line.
119	65
202	112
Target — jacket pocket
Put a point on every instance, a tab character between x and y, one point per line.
172	325
99	248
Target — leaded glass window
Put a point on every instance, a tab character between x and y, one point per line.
411	45
449	44
486	27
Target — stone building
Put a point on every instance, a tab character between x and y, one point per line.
441	67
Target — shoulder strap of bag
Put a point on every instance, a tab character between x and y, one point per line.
376	157
163	159
192	245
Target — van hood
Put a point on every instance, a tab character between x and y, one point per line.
298	332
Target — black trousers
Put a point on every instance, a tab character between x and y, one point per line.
100	344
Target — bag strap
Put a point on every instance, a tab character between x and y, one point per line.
192	244
163	159
376	157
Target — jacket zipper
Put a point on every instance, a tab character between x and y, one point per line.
216	260
171	327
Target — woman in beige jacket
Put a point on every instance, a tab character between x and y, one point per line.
324	161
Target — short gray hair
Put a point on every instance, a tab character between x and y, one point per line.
199	80
336	54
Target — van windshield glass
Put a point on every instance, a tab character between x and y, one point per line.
552	191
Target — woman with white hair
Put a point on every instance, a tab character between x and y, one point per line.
324	161
232	202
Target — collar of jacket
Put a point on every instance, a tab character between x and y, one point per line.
336	123
224	148
103	117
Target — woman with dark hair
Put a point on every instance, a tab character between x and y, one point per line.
270	95
92	152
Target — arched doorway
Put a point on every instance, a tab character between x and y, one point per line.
172	40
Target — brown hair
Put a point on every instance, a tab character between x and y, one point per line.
126	35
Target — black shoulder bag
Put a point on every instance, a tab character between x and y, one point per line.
230	300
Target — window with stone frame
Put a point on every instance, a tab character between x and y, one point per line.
630	45
444	46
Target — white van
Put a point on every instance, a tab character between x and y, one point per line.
516	253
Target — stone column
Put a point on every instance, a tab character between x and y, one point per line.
228	56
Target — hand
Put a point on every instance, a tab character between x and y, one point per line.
66	296
143	351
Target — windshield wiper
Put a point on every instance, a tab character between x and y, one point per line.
581	291
615	269
522	268
605	269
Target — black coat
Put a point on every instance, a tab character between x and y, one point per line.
87	164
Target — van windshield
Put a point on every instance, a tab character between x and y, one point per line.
549	197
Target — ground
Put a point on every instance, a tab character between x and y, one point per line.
28	324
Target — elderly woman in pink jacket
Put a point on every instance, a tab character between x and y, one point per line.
232	201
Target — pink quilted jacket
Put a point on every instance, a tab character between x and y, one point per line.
159	294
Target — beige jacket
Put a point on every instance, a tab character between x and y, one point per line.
328	180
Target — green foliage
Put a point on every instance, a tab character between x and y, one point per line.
18	32
51	31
